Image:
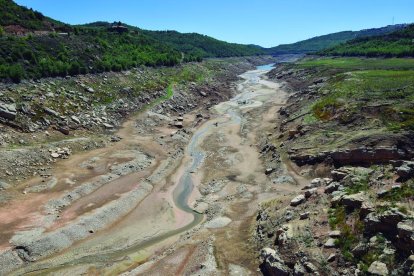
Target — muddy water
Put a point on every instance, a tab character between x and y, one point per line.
228	113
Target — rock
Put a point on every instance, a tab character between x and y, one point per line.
272	264
338	175
8	111
406	170
331	258
354	201
378	268
180	119
55	155
115	139
311	192
178	124
64	130
75	119
203	94
107	126
405	241
330	243
218	222
269	171
299	270
385	223
90	90
304	215
335	234
332	187
360	249
283	179
297	200
51	112
310	267
4	185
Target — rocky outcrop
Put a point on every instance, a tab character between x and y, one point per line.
8	111
359	156
385	223
272	264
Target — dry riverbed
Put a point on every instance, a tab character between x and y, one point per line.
163	200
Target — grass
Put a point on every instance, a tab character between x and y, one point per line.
353	64
351	228
355	84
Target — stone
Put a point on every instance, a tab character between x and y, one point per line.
8	111
335	234
299	270
297	200
178	124
354	201
55	155
90	90
405	241
75	119
406	170
51	112
107	126
311	192
385	223
378	268
338	175
304	215
310	267
332	187
331	258
330	243
269	171
272	264
64	130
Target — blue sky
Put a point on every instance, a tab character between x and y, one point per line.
263	22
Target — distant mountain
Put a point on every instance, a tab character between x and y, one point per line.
327	41
396	44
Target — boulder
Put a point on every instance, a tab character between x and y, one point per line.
299	270
311	192
385	223
311	268
354	201
332	187
8	111
75	119
378	268
406	170
272	264
178	124
297	200
51	112
405	241
331	258
335	234
330	243
304	215
338	175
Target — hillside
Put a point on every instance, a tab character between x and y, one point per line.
34	46
396	44
330	40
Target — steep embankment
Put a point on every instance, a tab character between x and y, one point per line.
347	125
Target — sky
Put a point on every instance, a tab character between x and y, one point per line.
262	22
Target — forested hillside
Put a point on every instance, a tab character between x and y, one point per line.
327	41
396	44
35	46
